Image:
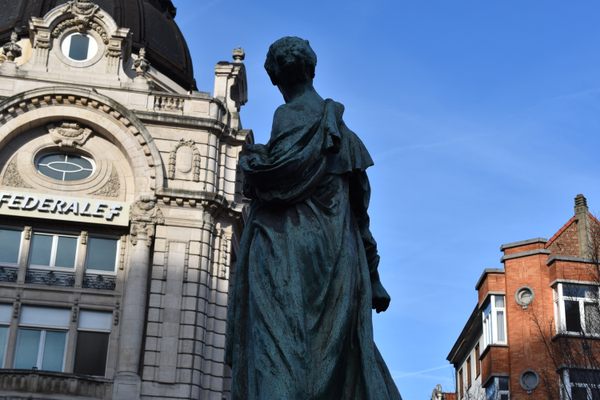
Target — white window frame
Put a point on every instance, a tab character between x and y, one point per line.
567	386
21	230
53	252
96	326
560	298
44	329
6	311
490	322
42	345
117	254
92	50
496	384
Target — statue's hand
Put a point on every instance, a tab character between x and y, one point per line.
381	298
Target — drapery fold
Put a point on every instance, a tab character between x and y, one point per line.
299	323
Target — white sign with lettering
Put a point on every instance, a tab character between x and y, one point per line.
64	208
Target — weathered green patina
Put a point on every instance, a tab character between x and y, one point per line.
299	325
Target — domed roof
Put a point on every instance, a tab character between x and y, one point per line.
151	22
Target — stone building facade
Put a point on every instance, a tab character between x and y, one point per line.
535	330
119	204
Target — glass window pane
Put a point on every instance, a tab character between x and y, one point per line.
579	393
503	383
82	162
573	290
3	339
95	320
592	317
102	254
10	241
487	310
65	253
501	330
77	175
54	351
490	391
573	318
45	317
49	172
90	356
499	301
584	376
41	247
79	47
50	158
26	353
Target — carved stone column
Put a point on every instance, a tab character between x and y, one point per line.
144	217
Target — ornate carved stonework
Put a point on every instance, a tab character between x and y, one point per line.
112	188
141	64
43	277
168	103
8	274
196	158
83	12
21	106
103	282
69	134
144	217
12	177
12	50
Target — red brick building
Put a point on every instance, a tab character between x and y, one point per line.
535	331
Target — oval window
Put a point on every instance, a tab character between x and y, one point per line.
65	167
79	47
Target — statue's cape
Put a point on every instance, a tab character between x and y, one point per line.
299	314
289	167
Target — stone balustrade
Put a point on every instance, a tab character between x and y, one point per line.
65	386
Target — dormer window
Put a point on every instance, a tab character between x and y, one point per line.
79	47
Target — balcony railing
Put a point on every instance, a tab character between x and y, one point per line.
34	383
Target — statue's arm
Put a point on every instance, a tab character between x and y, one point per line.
360	195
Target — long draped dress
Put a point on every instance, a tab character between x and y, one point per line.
299	323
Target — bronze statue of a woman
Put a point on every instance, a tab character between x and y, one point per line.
299	324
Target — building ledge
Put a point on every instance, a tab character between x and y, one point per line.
485	273
576	336
553	259
524	254
522	243
60	385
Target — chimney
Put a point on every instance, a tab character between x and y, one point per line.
583	228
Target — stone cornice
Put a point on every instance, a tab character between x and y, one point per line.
212	202
524	254
522	243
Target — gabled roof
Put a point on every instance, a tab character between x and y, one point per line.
562	229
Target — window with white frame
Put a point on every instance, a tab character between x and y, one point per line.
92	342
10	244
581	384
494	321
42	338
497	389
5	316
53	251
101	254
578	308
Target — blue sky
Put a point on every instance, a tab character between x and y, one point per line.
483	118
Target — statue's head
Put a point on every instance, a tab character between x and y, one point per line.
291	60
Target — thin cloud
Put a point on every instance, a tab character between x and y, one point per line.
422	373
